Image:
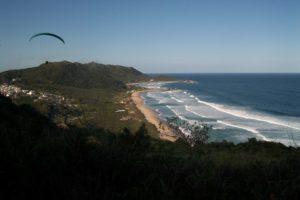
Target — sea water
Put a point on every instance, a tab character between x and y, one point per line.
235	106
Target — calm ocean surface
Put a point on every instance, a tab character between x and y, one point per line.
236	106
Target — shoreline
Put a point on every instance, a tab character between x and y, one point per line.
164	82
166	133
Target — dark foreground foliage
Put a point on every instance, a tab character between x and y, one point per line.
40	161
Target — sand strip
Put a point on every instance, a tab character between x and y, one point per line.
166	133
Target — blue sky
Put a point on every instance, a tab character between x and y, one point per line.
155	35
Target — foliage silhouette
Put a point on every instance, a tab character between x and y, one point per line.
197	132
40	161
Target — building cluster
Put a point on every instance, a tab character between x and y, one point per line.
10	90
14	92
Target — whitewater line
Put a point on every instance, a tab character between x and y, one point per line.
177	114
187	108
232	125
244	117
245	128
178	100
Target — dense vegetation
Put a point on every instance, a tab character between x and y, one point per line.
39	160
85	161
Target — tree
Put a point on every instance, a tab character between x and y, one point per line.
142	139
199	134
194	133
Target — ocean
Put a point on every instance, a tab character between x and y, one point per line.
236	106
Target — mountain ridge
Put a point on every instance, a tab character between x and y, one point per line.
89	75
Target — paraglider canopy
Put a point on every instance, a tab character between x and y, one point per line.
48	34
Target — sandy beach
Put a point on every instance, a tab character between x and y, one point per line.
166	133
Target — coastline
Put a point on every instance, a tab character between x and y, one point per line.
175	81
166	133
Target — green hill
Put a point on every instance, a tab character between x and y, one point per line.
77	94
87	76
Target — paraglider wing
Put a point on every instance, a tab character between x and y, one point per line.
49	34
